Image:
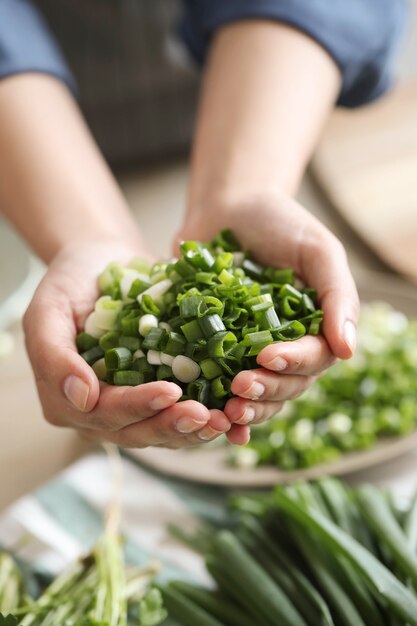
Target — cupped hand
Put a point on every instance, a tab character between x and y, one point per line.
70	393
279	232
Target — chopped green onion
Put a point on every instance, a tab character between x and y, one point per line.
220	343
211	324
155	339
128	377
109	340
164	372
100	369
106	312
220	387
214	306
146	323
84	342
92	355
118	359
167	359
192	331
185	369
91	327
154	357
199	390
210	368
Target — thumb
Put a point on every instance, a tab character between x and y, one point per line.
50	332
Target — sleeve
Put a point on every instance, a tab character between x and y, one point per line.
362	36
26	45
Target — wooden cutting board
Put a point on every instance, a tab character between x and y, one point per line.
366	164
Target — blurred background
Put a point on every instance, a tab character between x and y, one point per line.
138	91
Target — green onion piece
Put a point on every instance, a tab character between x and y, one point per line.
146	323
109	340
210	369
315	324
147	370
192	331
257	341
252	269
308	304
206	278
211	324
106	312
183	268
189	306
290	307
153	357
237	319
199	390
155	339
137	287
224	261
132	343
84	342
220	343
220	387
290	291
109	280
185	369
289	331
164	372
118	359
130	326
149	306
197	350
92	355
209	306
226	278
225	239
279	276
100	369
267	318
264	298
128	377
175	344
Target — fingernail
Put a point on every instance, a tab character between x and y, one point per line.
255	391
208	433
186	425
350	334
247	417
76	391
277	364
162	402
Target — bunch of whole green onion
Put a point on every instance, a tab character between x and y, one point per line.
99	590
197	320
355	403
308	555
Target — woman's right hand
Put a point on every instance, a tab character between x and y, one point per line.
69	391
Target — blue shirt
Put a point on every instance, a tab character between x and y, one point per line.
362	36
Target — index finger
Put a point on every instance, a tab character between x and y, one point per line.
325	267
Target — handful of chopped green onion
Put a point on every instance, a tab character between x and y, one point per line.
196	321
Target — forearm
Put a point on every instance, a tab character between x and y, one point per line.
54	185
267	91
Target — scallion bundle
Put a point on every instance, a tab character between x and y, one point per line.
197	320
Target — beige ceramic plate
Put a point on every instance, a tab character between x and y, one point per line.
209	464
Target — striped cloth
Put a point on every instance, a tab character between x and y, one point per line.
63	519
